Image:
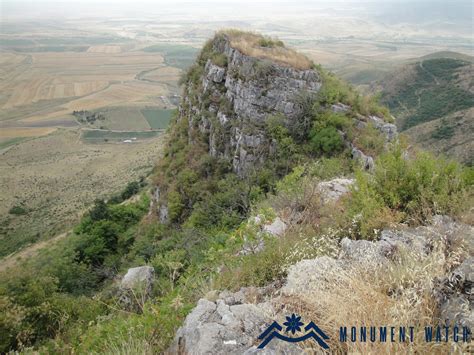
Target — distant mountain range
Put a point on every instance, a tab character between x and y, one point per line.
432	99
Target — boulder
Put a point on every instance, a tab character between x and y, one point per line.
389	129
227	328
362	251
138	278
308	275
214	72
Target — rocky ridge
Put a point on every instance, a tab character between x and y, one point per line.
240	93
241	96
230	323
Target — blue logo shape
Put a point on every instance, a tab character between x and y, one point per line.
293	324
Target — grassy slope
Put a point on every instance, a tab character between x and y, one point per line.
431	100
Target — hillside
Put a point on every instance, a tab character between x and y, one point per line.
432	100
280	186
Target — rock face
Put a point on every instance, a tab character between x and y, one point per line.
389	129
367	162
242	96
229	99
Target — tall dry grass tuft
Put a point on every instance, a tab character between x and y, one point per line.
397	294
258	46
131	345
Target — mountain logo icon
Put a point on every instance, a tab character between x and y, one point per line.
293	324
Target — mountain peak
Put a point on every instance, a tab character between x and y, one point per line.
240	80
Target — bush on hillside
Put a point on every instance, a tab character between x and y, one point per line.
408	190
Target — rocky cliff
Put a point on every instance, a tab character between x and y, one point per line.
236	94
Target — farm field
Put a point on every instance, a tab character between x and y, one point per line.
157	118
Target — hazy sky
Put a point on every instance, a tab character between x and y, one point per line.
385	10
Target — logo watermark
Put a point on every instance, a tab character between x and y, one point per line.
363	334
293	324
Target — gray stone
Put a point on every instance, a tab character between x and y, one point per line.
361	251
367	162
220	328
276	228
340	108
456	295
333	189
457	310
309	275
389	129
163	214
411	239
138	278
214	72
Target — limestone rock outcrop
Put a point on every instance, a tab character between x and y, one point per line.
242	96
231	322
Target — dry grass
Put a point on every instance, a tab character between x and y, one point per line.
57	176
398	294
251	44
14	132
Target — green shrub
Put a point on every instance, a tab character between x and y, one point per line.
100	211
335	90
175	206
370	140
443	131
409	190
329	168
18	210
327	140
131	189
